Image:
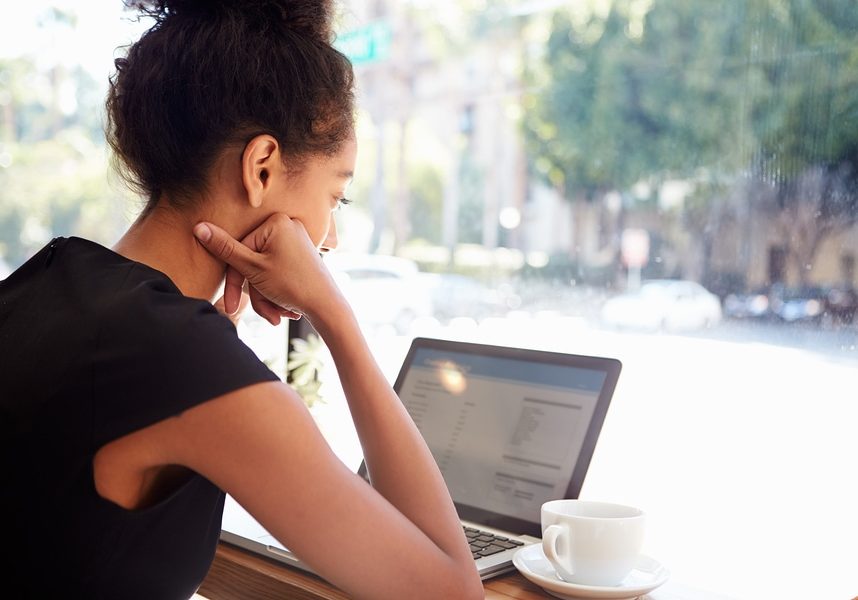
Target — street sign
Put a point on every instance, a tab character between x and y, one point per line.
367	44
634	245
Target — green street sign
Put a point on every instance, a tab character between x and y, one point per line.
367	44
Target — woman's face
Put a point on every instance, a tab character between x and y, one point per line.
317	190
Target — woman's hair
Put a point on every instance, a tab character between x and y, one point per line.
212	73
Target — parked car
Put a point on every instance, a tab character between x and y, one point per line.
454	295
382	290
664	304
841	304
802	304
750	305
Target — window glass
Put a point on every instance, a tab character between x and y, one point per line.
539	174
552	168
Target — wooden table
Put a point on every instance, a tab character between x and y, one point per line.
236	574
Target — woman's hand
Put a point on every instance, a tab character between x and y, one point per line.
285	273
234	316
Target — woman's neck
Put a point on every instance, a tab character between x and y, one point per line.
162	238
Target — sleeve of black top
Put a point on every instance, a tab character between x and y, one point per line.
158	354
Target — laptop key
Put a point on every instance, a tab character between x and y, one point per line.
483	543
489	550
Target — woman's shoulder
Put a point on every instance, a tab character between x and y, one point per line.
73	268
138	315
118	290
115	276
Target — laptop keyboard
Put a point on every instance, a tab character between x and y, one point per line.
484	543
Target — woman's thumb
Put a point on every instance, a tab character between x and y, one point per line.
223	246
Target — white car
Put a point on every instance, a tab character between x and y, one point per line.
454	295
382	290
664	304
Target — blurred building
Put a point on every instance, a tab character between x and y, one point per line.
443	91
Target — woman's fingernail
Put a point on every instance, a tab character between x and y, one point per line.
202	232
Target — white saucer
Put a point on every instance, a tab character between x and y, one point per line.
531	562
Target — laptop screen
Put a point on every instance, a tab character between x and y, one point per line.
509	428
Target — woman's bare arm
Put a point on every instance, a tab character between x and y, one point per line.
279	467
261	445
398	461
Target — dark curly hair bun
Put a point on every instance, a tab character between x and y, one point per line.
213	73
312	17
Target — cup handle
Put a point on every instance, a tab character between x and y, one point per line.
549	542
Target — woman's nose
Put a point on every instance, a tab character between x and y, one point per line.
330	241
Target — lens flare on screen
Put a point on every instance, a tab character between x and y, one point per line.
452	377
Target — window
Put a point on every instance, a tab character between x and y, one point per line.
567	159
536	168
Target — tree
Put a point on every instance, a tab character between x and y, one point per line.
53	163
638	95
807	127
57	187
708	93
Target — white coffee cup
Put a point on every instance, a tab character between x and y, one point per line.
592	543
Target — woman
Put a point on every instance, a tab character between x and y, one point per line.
130	406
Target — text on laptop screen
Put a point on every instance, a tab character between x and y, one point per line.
506	433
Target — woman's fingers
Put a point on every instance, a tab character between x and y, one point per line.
233	289
235	315
269	311
264	307
242	265
277	262
223	246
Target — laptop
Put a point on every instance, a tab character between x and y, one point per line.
510	429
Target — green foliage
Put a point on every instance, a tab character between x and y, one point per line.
706	92
626	97
53	161
56	187
427	197
812	66
304	366
471	200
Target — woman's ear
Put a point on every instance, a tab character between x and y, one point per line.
259	160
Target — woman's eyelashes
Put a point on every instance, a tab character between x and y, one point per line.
341	202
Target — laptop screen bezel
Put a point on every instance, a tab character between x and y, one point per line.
611	367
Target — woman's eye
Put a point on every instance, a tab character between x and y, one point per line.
341	202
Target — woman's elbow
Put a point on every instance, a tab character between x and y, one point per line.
467	584
454	580
475	589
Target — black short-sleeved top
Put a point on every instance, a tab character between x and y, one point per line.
93	347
